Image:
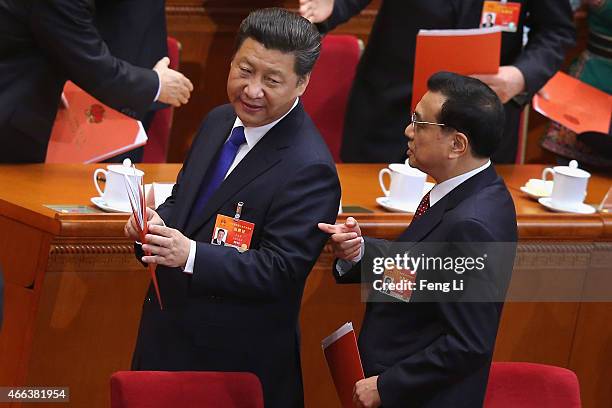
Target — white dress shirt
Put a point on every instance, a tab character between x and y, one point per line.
252	135
436	194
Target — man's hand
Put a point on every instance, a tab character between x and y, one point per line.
175	87
316	10
507	83
346	238
365	393
131	227
167	246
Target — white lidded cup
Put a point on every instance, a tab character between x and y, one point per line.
569	185
406	187
115	193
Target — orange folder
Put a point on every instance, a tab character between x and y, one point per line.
87	131
344	362
466	52
574	104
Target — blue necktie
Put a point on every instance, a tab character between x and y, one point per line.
217	170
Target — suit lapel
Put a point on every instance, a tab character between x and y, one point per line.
199	162
430	220
266	154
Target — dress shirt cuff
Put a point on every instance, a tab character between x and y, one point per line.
191	258
343	265
158	86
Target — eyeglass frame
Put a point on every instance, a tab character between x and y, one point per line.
413	121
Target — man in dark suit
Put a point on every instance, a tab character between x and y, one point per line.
259	158
135	32
379	103
43	43
435	349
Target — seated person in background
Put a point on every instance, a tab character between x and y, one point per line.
260	157
44	43
594	67
424	353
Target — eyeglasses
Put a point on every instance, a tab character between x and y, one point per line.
414	121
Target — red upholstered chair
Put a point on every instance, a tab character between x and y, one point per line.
156	149
330	83
529	385
185	389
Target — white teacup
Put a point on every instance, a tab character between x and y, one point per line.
569	185
115	193
406	187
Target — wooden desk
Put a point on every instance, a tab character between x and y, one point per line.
74	290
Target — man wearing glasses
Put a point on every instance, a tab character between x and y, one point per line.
435	351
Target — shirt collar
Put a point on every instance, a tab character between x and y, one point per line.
442	189
255	134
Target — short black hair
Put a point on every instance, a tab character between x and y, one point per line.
472	108
282	30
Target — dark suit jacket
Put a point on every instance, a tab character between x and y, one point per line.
437	354
379	106
43	43
239	311
135	32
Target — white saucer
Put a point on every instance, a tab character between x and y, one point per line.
531	194
579	209
385	203
101	204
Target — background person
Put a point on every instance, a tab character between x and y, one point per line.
379	104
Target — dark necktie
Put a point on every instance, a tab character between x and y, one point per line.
218	169
422	208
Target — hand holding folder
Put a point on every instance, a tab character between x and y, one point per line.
344	362
453	50
136	194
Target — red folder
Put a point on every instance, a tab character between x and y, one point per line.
344	362
466	52
87	131
574	104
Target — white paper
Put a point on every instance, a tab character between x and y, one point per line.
332	338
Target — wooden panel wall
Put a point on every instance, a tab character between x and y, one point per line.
206	30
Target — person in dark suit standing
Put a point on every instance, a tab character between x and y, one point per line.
258	160
379	102
43	43
435	349
135	32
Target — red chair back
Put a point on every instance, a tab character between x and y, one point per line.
327	94
156	149
185	389
529	385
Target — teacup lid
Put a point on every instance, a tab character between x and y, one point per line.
126	169
572	170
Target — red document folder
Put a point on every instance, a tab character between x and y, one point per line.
344	362
87	131
574	104
466	52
